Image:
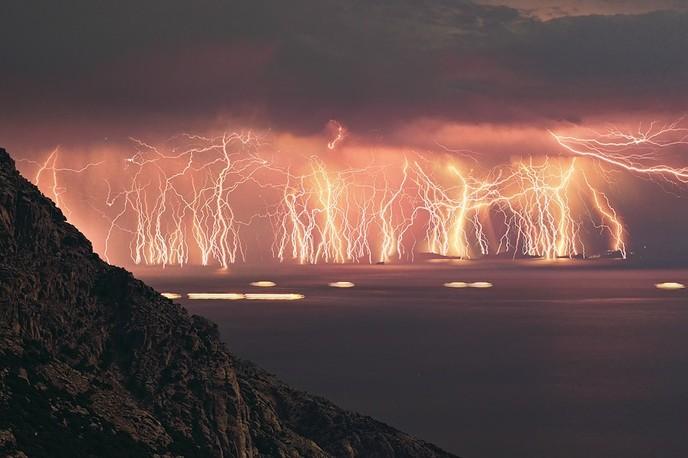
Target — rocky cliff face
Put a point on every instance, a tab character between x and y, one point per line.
95	363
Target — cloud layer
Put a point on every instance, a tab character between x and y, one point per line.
294	65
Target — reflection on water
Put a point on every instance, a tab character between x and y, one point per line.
480	284
246	296
273	296
341	284
550	362
171	295
670	285
264	284
456	284
216	296
462	284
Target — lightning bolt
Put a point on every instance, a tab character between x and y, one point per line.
196	199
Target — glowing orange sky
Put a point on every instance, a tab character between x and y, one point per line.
548	9
489	78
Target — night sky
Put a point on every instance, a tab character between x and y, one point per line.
491	76
373	65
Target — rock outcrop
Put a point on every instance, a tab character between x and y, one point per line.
95	363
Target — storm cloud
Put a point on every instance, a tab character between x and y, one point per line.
294	65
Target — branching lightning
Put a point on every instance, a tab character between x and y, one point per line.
637	152
205	199
51	185
339	133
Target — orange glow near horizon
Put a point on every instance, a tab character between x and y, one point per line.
238	196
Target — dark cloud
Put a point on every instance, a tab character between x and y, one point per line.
294	65
548	9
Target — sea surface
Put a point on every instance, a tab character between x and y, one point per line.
569	359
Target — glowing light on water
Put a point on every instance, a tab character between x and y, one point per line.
273	296
670	286
441	260
456	284
480	284
342	284
171	295
263	284
246	296
216	296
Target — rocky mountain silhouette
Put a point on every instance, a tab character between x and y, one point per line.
95	363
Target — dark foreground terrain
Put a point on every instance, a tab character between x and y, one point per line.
95	363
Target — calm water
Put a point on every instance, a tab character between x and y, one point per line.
552	361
